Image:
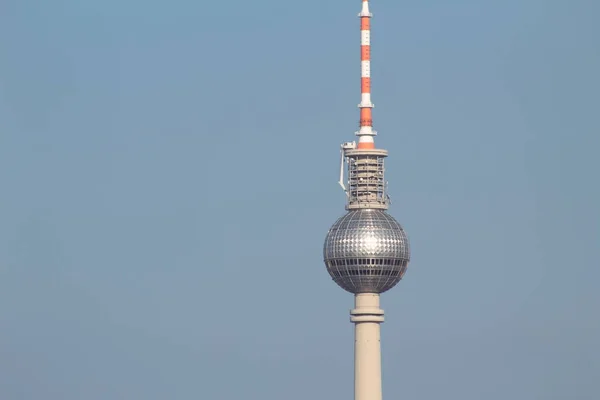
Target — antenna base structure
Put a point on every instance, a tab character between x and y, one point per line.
365	185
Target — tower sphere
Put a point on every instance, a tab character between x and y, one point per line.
366	251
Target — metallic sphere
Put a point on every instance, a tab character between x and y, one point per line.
366	251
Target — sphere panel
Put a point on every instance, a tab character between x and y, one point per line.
366	251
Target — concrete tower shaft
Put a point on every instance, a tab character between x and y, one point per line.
366	317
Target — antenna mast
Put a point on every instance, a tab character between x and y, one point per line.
366	186
365	133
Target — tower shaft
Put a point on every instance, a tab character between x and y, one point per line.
366	317
366	251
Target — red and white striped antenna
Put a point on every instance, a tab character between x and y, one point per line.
365	133
365	185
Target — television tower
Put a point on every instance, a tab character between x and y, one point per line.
366	251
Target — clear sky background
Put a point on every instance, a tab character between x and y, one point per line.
168	174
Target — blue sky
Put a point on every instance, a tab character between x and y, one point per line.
168	175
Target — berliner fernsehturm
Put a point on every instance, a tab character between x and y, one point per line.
366	250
